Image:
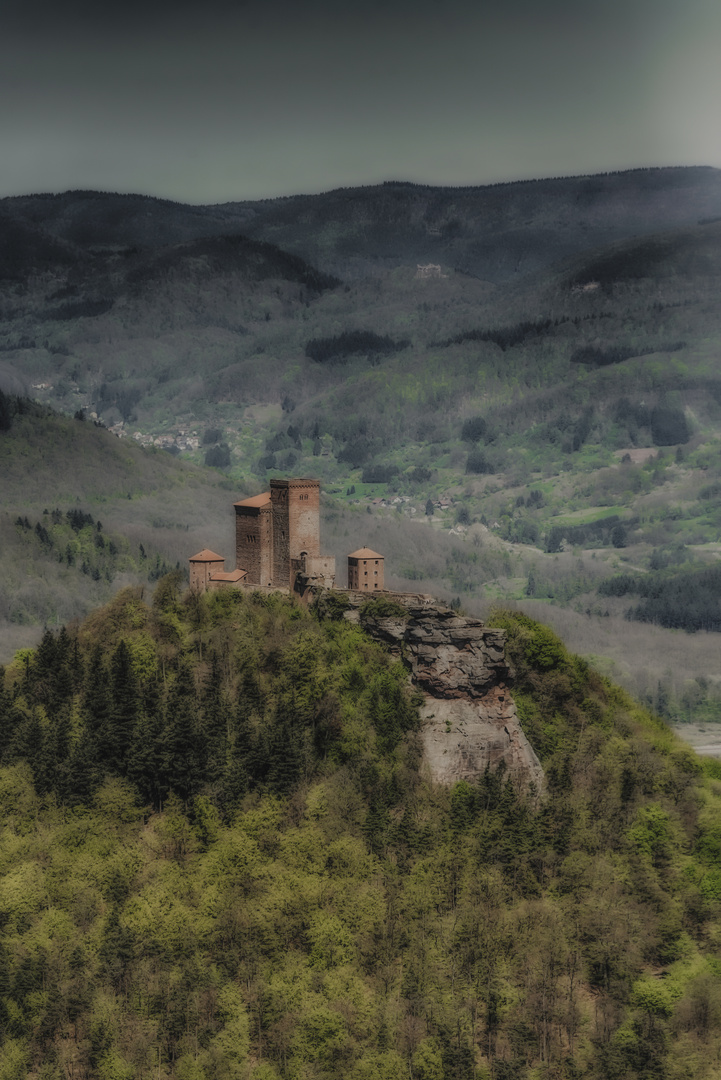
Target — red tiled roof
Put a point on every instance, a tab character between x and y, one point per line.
231	575
364	553
257	500
206	556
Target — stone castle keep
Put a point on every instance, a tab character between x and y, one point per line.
277	546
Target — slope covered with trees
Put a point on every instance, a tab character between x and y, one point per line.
221	858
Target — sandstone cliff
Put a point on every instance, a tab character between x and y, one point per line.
459	664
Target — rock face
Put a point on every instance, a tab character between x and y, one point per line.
470	719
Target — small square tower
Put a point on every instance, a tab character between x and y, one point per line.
365	571
202	567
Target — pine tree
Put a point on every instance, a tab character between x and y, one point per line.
183	756
29	745
42	670
285	757
6	416
96	696
82	774
124	710
64	679
216	723
146	760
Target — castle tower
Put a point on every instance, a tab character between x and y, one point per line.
254	539
296	525
365	571
202	567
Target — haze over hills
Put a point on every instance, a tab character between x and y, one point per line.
549	387
495	232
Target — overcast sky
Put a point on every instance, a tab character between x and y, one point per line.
251	99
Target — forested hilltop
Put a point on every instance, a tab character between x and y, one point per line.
513	391
221	858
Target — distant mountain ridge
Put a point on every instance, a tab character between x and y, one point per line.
497	232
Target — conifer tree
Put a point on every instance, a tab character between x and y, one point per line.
82	774
29	745
42	669
182	751
285	757
96	695
216	723
124	711
146	760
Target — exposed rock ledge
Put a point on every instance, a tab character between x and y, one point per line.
460	665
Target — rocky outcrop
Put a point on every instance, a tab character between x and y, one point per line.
470	720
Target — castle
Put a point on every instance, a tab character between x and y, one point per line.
277	546
469	719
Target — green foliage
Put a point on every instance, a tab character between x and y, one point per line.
473	429
383	607
305	894
378	474
131	682
218	457
478	462
688	600
331	605
305	904
669	426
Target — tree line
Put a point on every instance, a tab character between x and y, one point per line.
682	600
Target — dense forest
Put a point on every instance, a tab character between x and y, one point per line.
221	857
687	600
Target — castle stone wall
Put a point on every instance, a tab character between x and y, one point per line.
254	541
296	524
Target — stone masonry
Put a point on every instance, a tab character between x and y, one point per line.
278	532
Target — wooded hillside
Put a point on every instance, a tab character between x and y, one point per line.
221	858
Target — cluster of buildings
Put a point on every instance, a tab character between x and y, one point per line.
277	546
183	440
429	270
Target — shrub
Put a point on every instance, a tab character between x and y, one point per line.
381	607
668	426
478	463
218	457
378	474
473	429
